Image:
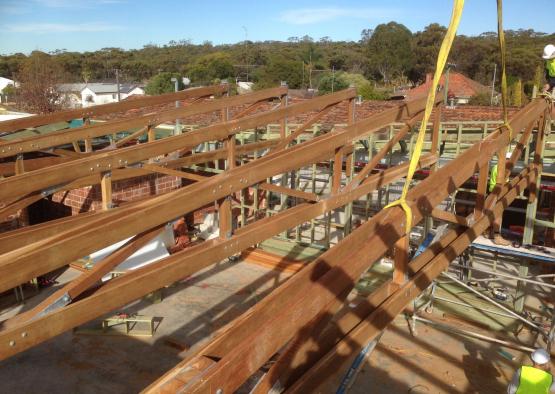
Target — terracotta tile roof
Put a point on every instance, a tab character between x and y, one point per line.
460	85
337	115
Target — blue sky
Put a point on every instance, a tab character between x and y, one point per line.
84	25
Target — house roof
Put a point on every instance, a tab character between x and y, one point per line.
5	82
71	87
460	85
101	87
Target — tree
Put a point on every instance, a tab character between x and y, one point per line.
278	70
367	92
365	35
310	55
37	79
482	99
476	56
136	70
389	51
211	67
86	74
516	96
364	87
162	83
426	48
8	92
332	82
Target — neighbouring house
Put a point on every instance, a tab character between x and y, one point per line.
104	93
3	83
244	87
71	94
460	88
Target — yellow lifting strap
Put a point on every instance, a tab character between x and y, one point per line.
503	50
440	65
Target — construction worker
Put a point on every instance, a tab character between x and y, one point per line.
549	57
536	379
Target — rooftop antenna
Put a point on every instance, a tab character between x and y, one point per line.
117	83
246	50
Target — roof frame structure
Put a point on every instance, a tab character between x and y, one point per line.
288	322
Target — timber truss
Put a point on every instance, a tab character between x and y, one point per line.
304	326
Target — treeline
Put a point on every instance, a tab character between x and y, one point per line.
388	55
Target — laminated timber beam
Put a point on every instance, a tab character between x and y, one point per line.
384	151
127	173
29	234
88	279
10	126
118	292
21	185
301	129
145	122
287	219
364	327
315	291
111	226
288	191
8	169
302	353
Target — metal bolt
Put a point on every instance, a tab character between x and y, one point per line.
219	391
12	343
23	334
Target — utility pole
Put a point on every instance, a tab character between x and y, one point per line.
332	77
117	83
449	65
493	83
246	51
303	85
310	71
177	129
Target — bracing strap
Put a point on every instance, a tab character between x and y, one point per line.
503	52
440	65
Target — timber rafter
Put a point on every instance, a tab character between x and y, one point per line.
288	322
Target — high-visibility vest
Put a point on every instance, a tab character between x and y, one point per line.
492	178
550	67
534	381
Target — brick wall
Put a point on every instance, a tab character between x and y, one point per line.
90	198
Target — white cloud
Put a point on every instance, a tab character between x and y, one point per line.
14	7
60	27
75	3
306	16
28	6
